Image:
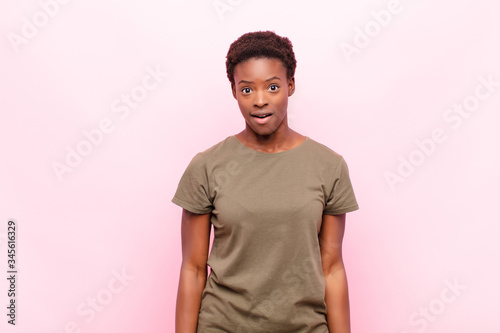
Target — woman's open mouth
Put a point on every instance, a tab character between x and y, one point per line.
263	118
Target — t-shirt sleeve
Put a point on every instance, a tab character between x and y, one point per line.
193	190
341	199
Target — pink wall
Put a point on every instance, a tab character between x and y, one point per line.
407	91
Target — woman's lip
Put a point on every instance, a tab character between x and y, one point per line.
262	121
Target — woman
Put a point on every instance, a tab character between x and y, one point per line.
277	200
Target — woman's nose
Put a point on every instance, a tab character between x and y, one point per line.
260	99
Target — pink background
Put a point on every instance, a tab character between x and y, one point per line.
422	252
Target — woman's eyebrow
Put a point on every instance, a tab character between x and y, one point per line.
270	79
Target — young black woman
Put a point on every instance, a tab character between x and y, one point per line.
277	201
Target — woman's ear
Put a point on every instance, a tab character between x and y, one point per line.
233	90
291	86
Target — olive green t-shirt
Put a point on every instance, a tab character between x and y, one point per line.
266	209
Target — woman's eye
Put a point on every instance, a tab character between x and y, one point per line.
273	87
246	90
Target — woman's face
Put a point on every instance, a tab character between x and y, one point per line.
261	88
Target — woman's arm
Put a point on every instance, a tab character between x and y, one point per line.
336	293
195	235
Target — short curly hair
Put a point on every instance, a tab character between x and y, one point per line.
260	44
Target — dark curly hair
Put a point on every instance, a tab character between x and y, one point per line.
260	44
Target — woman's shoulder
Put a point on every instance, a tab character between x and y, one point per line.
323	150
219	150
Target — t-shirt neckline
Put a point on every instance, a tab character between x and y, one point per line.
280	153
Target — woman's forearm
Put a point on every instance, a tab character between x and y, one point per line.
337	301
191	284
